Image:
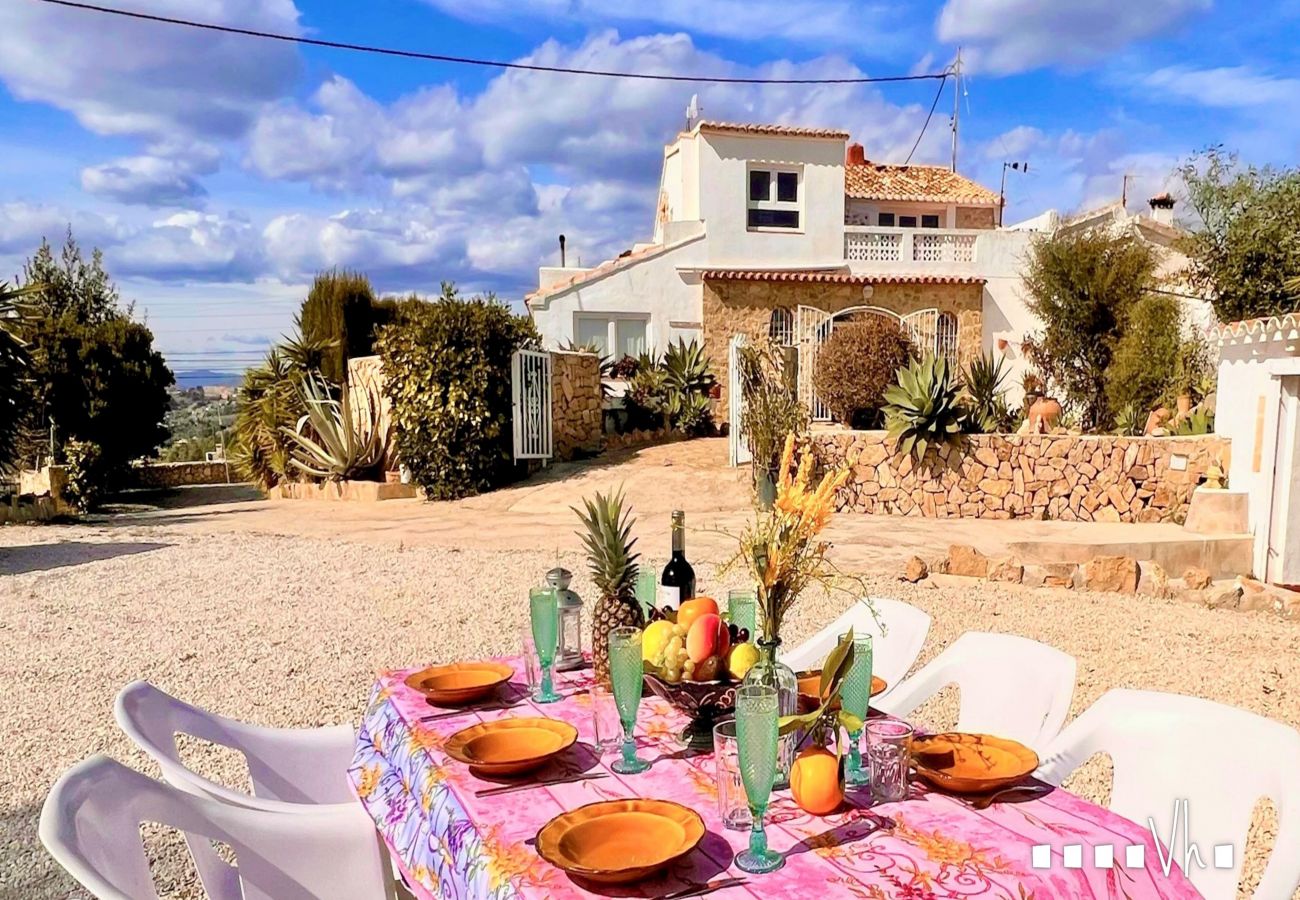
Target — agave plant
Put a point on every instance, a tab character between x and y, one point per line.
336	439
924	408
1199	421
982	380
686	369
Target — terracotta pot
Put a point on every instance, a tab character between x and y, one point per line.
1043	415
393	477
1184	405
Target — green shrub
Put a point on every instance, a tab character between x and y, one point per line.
855	366
14	373
771	408
89	474
447	373
674	392
923	409
982	379
1143	364
342	316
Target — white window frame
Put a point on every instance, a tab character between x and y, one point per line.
611	339
771	203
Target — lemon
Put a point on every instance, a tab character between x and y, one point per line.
741	659
654	640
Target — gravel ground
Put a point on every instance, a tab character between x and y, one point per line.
289	631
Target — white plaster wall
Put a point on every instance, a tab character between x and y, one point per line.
652	286
724	169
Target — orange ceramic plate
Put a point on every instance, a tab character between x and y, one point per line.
620	841
510	746
971	763
460	682
810	684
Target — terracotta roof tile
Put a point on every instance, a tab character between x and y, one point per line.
788	130
1288	324
831	277
878	181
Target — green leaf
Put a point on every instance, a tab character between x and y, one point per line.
836	667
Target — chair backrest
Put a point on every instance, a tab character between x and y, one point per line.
1168	748
287	766
1010	686
91	825
894	647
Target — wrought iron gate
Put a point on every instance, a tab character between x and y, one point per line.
739	447
812	328
530	389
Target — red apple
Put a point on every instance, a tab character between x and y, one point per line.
707	637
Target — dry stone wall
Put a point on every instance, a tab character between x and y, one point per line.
576	405
992	476
177	474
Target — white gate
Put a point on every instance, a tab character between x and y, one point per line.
922	327
812	327
530	390
739	451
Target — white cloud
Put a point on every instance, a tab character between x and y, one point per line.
147	180
119	76
1018	35
1226	87
839	23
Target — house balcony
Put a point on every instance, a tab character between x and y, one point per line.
949	250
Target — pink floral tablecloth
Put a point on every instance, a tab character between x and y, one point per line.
452	844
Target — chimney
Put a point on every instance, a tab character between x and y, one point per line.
856	155
1162	208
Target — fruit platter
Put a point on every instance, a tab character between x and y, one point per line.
695	661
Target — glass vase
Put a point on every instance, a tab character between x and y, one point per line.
772	672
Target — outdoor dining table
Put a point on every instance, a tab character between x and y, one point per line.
451	843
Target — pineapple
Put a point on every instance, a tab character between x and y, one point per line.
608	526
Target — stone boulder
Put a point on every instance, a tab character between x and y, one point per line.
1114	574
966	560
1197	579
1008	569
915	570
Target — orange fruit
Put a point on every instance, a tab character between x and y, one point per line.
815	781
692	609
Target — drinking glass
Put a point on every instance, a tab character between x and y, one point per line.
625	671
733	808
528	651
544	613
742	606
889	750
756	734
647	587
855	697
605	719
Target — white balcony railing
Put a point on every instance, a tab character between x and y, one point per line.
909	245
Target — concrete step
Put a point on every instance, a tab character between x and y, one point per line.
1223	555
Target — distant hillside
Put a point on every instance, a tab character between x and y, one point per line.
207	378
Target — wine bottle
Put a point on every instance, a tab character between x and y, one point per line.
678	580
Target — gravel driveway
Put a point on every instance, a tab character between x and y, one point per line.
289	630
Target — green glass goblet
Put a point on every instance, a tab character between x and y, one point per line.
855	698
625	671
757	707
742	608
544	613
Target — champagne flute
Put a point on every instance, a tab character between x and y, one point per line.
544	613
756	739
625	671
855	698
742	607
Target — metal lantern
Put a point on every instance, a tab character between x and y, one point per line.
568	653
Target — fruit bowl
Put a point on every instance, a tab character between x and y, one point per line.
704	701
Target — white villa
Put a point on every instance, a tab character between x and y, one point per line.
780	230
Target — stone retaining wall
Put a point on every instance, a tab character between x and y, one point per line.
576	427
993	476
164	475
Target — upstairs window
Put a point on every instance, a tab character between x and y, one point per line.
886	220
907	221
774	198
929	221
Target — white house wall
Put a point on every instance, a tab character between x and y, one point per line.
650	287
724	167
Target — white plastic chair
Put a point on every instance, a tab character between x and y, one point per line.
292	769
1165	748
893	648
1011	686
91	825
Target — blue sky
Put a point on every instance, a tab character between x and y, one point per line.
218	172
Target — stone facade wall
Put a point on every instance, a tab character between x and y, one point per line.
164	475
366	373
976	217
577	429
745	307
993	476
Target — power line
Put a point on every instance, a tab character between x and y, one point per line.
943	79
471	61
